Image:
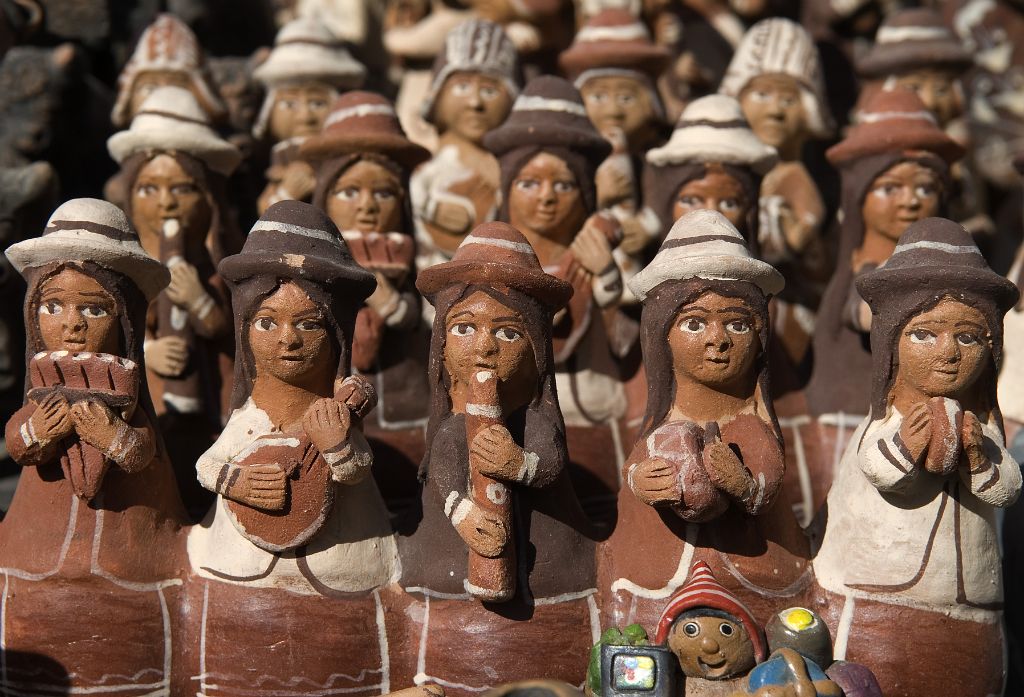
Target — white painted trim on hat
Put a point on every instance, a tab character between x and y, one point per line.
359	111
274	226
532	102
937	246
521	247
878	116
893	35
623	32
593	73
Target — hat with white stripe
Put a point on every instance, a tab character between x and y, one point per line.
704	244
702	590
88	229
939	254
496	254
913	39
714	129
550	113
892	121
613	38
295	240
362	122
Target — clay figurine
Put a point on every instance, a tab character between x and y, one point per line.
362	161
704	480
475	79
549	152
167	55
776	76
96	514
298	542
302	76
712	161
711	632
928	462
894	165
503	546
175	167
615	66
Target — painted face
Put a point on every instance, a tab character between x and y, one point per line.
714	342
712	648
618	102
366	197
943	352
903	194
483	334
938	89
471	104
77	314
290	340
164	191
299	110
147	82
773	106
545	198
715	191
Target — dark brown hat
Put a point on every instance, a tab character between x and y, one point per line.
548	113
939	254
912	39
295	240
894	121
496	253
613	38
363	122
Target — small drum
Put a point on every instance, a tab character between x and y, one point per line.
102	377
390	253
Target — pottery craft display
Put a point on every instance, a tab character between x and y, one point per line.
511	348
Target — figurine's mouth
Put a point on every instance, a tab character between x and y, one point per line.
483	365
292	359
711	668
720	360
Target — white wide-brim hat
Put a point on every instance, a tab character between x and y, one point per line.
171	120
88	229
704	244
304	49
713	129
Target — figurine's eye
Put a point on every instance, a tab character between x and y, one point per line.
691	201
183	189
922	336
760	96
93	311
692	325
508	334
349	193
691	629
463	329
967	339
626	100
564	187
886	189
264	324
787	101
308	325
317	104
288	104
527	184
726	629
728	204
384	194
146	190
488	92
738	326
924	190
51	308
597	97
462	88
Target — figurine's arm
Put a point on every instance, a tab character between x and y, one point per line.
987	468
889	462
206	314
400	309
685	488
130	446
328	423
259	486
432	199
34	432
593	251
754	491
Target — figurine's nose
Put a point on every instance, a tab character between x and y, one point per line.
289	337
475	100
367	201
167	199
74	320
949	348
709	645
547	192
486	343
717	336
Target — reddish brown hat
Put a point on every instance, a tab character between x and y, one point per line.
613	38
496	253
912	39
363	122
893	121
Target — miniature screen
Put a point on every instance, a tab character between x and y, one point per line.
634	672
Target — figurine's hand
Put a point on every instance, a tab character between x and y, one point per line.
495	454
916	431
299	180
52	419
384	299
726	471
453	218
484	533
185	289
96	424
591	248
634	237
973	440
167	356
259	486
327	424
655	481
